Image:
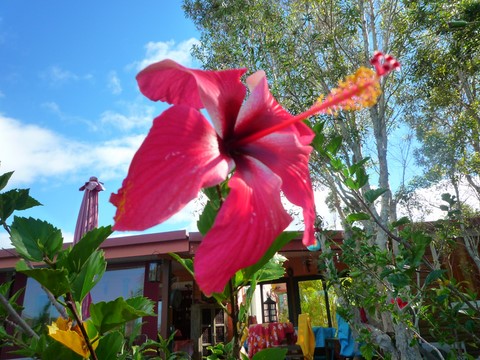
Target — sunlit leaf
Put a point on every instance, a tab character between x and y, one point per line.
4	178
15	200
35	239
55	280
372	195
81	251
88	276
107	316
351	218
282	240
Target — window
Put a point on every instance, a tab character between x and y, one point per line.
318	303
126	283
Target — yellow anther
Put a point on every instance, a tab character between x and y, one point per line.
357	91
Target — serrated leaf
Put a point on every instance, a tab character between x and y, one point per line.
357	217
81	251
15	200
4	178
107	316
272	270
282	240
35	239
372	195
55	280
88	276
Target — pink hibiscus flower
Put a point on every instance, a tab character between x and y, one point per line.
267	148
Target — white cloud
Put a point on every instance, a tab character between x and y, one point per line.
114	83
39	154
56	76
156	51
134	115
5	240
427	202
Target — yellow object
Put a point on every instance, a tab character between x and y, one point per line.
62	331
356	92
305	336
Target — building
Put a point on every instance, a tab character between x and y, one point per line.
140	265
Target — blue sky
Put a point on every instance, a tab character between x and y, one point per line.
69	103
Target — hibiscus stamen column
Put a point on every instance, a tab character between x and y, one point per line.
357	91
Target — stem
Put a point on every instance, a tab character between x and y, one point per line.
315	109
78	319
17	318
234	315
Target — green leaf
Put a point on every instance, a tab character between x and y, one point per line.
402	221
336	164
352	184
282	240
270	353
399	280
110	346
372	195
107	316
334	145
15	200
55	280
186	263
89	275
357	217
272	270
4	179
207	218
353	169
81	251
361	177
5	291
434	275
35	239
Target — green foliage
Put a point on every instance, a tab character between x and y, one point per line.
35	240
270	353
162	348
110	346
110	315
14	200
67	275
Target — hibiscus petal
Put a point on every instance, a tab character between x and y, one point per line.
220	92
283	153
261	110
249	221
179	156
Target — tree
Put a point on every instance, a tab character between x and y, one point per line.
305	47
446	102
